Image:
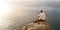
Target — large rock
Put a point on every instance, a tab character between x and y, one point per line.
37	25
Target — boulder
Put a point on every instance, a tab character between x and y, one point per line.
37	25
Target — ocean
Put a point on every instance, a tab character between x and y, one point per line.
15	14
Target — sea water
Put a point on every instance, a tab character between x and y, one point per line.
15	14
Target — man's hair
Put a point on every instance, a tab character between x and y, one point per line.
41	11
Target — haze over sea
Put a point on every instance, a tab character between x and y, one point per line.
14	14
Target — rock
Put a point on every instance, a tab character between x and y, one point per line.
37	25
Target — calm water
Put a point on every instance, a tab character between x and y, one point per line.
15	14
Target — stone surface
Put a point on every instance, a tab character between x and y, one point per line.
37	25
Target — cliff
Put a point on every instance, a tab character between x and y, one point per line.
37	25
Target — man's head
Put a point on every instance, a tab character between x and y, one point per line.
41	11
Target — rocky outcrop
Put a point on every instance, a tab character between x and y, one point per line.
37	25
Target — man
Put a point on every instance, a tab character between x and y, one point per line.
42	15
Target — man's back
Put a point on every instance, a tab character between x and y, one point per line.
42	15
